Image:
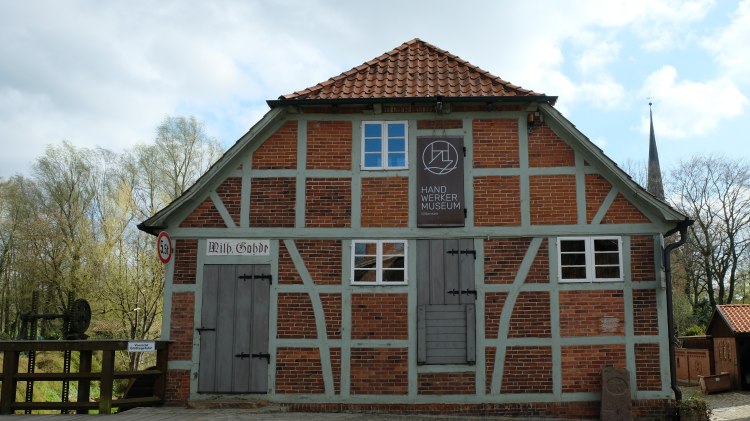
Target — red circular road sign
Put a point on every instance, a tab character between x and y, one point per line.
164	247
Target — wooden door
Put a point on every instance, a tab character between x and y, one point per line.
234	329
446	295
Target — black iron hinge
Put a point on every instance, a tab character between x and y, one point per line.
472	252
268	278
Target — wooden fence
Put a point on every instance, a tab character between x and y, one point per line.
12	350
692	363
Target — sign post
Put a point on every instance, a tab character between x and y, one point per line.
164	247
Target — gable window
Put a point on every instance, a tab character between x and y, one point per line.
378	262
589	259
384	145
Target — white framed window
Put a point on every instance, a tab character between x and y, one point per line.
384	145
378	262
589	259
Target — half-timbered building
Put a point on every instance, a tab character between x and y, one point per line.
417	234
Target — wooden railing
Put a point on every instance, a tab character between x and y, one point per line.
10	376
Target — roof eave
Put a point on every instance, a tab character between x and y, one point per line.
281	102
158	221
666	211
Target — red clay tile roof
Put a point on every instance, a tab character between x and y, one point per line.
416	69
737	316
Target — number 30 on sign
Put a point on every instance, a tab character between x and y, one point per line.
164	247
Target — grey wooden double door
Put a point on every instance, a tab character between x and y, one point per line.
234	329
446	294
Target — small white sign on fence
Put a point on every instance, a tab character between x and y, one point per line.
141	346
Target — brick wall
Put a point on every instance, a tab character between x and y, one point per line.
495	143
295	317
553	199
493	307
439	124
185	261
287	271
298	370
177	388
642	258
497	201
645	315
597	189
328	202
181	328
539	270
230	194
379	316
531	316
322	259
643	410
489	367
379	371
623	212
385	202
502	259
272	202
528	369
204	216
332	310
447	384
592	313
546	149
329	145
648	369
582	366
279	151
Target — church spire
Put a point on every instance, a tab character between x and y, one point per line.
655	185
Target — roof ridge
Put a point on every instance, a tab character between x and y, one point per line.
438	61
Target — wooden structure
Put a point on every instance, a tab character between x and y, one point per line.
417	234
11	351
730	328
694	359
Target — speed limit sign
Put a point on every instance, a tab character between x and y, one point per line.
164	247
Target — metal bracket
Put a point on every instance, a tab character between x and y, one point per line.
205	329
268	278
470	292
262	355
454	292
242	355
452	252
472	252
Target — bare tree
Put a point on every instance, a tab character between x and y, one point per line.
715	192
185	152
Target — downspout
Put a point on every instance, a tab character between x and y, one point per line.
682	227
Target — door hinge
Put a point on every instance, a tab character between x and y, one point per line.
205	329
268	278
470	292
466	213
242	355
454	291
263	355
452	252
464	150
472	252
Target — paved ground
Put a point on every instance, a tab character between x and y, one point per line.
727	406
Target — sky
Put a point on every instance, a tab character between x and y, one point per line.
104	73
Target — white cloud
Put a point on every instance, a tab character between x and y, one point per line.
685	108
730	45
